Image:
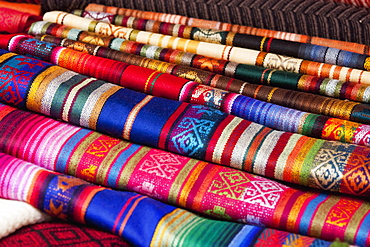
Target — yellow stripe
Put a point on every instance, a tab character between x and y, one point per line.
192	178
319	219
6	56
74	161
34	96
296	209
99	105
355	222
130	166
168	229
132	116
148	80
108	161
179	181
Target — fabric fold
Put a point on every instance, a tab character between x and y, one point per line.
229	53
140	220
13	21
127	75
230	26
188	129
16	214
59	233
253	74
316	53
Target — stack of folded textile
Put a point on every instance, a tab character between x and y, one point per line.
191	123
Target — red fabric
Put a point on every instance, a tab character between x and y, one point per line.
61	234
13	21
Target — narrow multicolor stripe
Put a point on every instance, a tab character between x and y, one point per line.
238	154
235	54
132	116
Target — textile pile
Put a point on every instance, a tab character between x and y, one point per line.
147	123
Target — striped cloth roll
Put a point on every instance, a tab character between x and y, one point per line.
304	51
138	219
321	18
267	114
217	191
253	74
230	26
192	130
230	53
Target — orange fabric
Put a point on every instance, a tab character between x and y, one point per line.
34	9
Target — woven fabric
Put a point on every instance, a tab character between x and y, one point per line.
16	214
360	3
206	188
309	17
274	116
33	9
13	21
310	52
193	130
140	220
254	74
222	26
58	233
230	53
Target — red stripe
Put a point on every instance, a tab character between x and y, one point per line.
216	136
123	210
169	123
275	154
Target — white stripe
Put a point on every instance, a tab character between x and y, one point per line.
242	145
268	145
221	142
71	97
91	102
52	87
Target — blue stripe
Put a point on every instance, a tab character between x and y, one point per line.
61	164
246	236
308	214
363	231
117	166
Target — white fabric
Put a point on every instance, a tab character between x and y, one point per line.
16	214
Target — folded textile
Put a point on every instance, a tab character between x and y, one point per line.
320	18
267	114
59	233
140	220
33	9
230	53
284	97
254	74
304	51
13	21
202	23
15	214
188	129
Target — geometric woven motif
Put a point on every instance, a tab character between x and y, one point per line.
230	184
264	193
61	234
194	132
329	170
162	164
357	179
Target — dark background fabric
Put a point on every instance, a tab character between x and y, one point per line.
322	18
